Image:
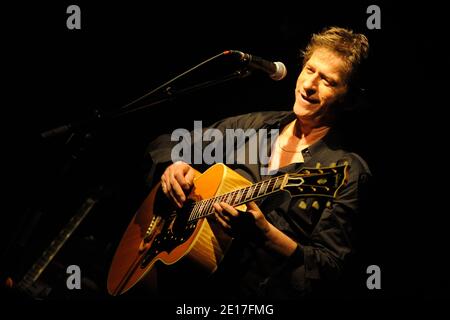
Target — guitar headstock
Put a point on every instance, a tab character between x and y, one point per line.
319	182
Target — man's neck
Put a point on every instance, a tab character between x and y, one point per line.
305	130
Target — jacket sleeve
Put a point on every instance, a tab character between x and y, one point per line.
188	146
331	243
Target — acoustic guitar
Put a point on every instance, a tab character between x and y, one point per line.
160	233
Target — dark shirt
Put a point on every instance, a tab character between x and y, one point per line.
323	231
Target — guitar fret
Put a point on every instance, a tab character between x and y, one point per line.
233	197
264	187
278	182
272	185
260	189
243	195
249	193
246	194
193	211
211	209
268	186
227	198
223	198
208	206
45	256
219	199
202	207
275	185
27	281
192	214
202	211
255	191
240	194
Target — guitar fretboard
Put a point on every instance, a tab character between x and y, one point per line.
35	271
237	197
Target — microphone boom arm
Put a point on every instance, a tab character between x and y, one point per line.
170	95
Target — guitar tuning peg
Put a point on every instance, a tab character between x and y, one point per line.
302	205
316	205
318	165
328	204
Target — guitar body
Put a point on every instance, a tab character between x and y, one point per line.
157	233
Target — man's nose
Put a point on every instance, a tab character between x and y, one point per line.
310	85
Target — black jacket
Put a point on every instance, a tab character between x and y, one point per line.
324	232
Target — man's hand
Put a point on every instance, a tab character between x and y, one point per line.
236	221
177	181
254	226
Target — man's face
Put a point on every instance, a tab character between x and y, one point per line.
320	84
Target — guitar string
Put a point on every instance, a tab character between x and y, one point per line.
207	203
233	196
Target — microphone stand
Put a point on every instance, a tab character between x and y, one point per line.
83	129
118	113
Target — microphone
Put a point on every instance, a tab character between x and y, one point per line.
276	70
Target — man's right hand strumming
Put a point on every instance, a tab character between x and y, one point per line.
176	182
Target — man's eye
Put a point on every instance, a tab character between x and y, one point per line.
329	83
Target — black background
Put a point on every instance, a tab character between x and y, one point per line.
54	76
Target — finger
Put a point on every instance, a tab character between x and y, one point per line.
189	177
165	178
180	176
224	216
217	207
184	174
221	221
177	191
229	209
254	210
220	212
171	195
252	206
169	189
163	187
175	186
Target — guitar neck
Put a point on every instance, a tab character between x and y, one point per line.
237	197
39	266
319	182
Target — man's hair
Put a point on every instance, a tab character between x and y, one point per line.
352	47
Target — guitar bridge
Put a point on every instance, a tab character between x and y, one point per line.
152	228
